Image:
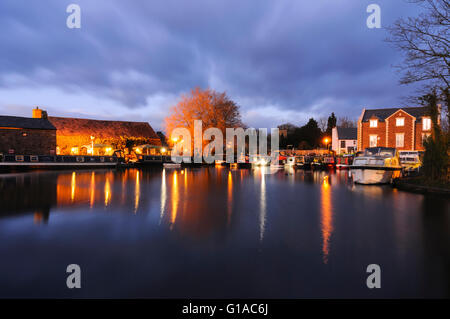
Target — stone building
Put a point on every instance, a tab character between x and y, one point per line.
402	128
27	136
77	136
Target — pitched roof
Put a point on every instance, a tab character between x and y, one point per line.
67	126
26	122
382	114
347	133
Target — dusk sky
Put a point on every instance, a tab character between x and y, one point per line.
280	60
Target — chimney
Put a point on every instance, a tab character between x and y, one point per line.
39	114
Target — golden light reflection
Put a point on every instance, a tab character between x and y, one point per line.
137	193
92	190
163	195
230	197
262	212
326	218
73	186
107	192
174	199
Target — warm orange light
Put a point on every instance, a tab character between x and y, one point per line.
174	139
326	140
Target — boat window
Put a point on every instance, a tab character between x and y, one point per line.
379	151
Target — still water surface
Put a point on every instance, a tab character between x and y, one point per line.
214	232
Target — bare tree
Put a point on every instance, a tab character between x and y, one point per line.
213	108
323	122
346	122
425	40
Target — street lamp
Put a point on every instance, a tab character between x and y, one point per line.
325	141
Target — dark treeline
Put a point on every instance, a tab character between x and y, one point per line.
308	136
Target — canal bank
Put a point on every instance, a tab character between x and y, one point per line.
414	185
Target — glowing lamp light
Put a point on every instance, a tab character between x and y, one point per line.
163	150
326	140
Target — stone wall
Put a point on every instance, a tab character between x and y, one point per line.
28	141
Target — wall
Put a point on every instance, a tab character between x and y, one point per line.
367	131
36	142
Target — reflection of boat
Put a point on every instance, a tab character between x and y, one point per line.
378	165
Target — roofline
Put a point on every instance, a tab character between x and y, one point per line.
89	119
399	111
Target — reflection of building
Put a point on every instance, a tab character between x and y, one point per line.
23	135
344	139
402	128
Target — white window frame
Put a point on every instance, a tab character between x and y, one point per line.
400	121
426	124
397	135
371	136
373	123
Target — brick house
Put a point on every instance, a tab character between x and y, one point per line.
27	136
344	139
402	128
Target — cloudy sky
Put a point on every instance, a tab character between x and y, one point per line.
281	60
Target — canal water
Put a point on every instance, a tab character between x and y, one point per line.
212	232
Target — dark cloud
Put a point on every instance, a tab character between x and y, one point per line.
306	57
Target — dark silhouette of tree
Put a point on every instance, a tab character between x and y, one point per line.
425	40
435	160
331	123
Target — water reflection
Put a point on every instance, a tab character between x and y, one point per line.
92	188
217	219
262	205
230	197
163	195
107	191
137	192
326	217
175	199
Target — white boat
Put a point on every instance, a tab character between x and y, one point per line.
378	165
290	161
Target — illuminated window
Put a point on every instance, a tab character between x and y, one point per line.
373	139
426	124
399	140
400	121
373	123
